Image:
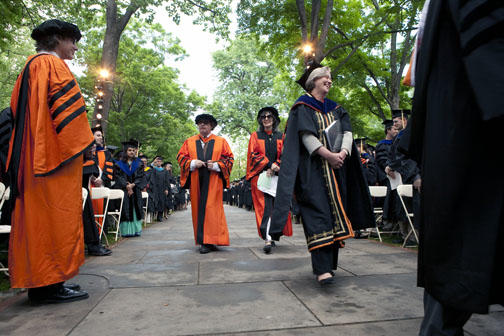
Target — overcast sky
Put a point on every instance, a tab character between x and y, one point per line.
196	70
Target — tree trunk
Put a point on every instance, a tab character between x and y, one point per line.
115	27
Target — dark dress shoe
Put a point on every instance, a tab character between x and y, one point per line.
72	286
204	249
98	250
212	247
55	294
267	248
326	281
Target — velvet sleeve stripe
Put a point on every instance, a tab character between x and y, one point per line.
66	105
254	167
61	93
69	119
480	22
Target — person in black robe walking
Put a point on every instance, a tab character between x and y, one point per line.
330	187
457	111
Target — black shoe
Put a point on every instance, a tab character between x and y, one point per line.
326	281
72	286
267	248
98	250
204	249
55	294
212	247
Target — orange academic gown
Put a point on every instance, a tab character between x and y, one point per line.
206	186
46	241
107	166
257	162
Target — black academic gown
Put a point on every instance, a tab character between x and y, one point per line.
320	191
124	174
382	149
400	162
369	167
91	234
158	183
458	117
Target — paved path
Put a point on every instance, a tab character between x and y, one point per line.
159	284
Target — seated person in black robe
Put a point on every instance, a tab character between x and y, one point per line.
90	172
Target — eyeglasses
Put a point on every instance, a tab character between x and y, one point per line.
266	116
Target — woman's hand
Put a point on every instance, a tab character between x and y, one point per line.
335	160
275	168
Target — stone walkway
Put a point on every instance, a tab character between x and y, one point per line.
159	284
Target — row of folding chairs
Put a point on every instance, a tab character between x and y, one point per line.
4	194
403	190
107	194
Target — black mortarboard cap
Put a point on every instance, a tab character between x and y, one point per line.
112	149
130	143
158	157
302	80
400	113
96	128
363	139
273	110
142	156
56	27
388	123
204	117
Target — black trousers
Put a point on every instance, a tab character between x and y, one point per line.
325	259
440	320
91	235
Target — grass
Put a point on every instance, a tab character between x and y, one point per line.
4	282
389	239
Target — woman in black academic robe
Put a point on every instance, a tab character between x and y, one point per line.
330	188
130	177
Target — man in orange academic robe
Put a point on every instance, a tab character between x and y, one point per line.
45	160
205	163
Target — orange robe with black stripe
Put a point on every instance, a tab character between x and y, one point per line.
104	159
257	162
46	241
206	186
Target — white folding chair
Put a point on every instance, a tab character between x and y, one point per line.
101	193
2	191
116	214
84	196
4	229
378	192
406	190
145	195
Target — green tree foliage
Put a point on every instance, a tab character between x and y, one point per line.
212	14
246	76
148	103
367	44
